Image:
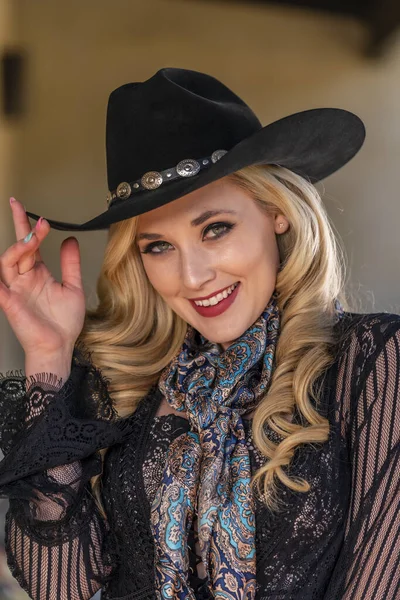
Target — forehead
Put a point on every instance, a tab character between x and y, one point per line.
221	194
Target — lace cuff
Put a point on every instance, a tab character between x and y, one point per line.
23	400
51	435
45	426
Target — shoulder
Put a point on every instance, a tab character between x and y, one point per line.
365	335
360	324
368	375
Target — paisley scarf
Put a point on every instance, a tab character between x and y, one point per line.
208	469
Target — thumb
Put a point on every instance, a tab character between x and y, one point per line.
70	259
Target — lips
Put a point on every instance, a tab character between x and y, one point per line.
213	294
217	309
217	298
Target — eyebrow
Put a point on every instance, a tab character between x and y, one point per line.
195	223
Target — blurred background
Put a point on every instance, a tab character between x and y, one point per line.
60	60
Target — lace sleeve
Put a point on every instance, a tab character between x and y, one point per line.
369	564
50	435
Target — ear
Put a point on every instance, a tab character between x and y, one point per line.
281	224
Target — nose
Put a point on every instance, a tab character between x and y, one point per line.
196	268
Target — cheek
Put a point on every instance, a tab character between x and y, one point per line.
161	277
254	252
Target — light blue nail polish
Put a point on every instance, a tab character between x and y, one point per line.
28	237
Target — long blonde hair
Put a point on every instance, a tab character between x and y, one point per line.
133	334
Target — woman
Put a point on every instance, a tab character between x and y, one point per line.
219	426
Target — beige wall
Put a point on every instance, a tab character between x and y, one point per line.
279	60
10	355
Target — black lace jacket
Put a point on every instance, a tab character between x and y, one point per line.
339	541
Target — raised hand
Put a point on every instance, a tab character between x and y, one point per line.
45	315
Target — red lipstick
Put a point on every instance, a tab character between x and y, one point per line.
217	309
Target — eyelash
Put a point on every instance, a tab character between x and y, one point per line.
228	227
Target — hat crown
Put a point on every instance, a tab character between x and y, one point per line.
177	114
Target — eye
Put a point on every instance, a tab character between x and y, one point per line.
149	249
221	229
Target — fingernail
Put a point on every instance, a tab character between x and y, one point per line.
28	237
39	223
12	200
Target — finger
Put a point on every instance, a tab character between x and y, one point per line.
70	260
28	261
10	258
4	297
22	226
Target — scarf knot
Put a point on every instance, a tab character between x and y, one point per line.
208	469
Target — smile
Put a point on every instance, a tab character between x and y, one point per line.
218	304
217	298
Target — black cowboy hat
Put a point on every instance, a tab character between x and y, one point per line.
181	129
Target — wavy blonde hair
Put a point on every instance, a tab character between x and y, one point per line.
133	334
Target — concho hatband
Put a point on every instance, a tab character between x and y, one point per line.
154	179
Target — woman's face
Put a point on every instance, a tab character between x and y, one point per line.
190	252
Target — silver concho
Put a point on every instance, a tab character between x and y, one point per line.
151	180
215	156
188	167
124	190
109	197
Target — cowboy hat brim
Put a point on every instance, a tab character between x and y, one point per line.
313	143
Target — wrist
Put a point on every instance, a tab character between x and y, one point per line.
58	364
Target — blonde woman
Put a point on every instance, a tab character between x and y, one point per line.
221	425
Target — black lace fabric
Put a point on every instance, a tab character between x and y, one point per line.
53	530
339	541
369	413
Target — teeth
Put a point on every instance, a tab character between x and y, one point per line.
216	299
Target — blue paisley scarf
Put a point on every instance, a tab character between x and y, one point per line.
208	468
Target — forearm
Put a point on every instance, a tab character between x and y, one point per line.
36	556
46	474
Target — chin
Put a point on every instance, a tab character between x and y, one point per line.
224	329
224	338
